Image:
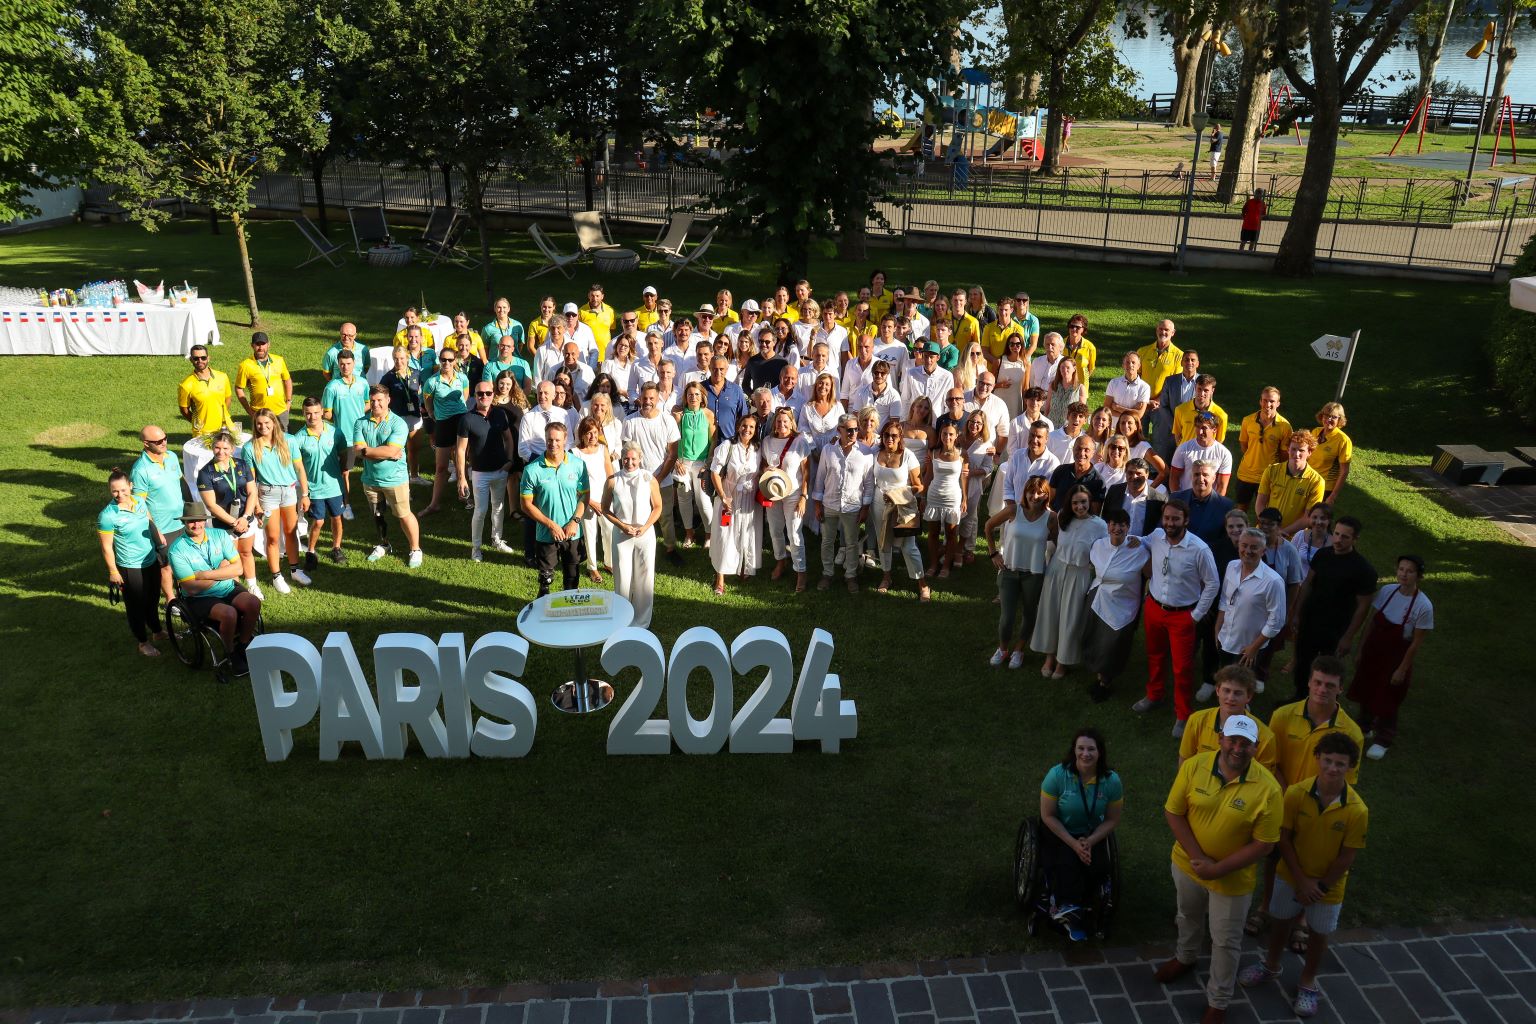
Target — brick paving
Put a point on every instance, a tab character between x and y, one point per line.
1469	974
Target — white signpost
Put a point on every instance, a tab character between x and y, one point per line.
1336	348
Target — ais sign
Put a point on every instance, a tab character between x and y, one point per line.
459	701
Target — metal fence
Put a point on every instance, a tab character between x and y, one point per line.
1404	222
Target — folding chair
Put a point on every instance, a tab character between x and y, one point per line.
325	249
448	250
368	227
673	237
694	260
554	259
592	232
439	223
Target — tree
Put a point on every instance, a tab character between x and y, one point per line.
1430	25
1071	48
1510	11
435	100
795	84
1188	23
332	54
36	153
1254	21
193	99
1345	46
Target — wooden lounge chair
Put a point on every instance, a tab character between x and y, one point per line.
325	249
554	259
368	227
439	222
694	259
592	232
673	237
448	250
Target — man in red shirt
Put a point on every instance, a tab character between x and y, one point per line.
1253	216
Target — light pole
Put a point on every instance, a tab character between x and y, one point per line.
1199	120
1485	43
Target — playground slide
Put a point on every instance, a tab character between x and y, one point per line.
1000	147
915	143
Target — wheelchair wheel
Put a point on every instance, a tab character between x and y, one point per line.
1109	900
1026	867
187	638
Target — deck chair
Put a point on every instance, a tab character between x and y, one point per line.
448	250
592	232
694	259
673	237
439	223
368	227
325	249
554	260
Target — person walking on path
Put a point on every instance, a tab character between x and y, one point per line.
1253	219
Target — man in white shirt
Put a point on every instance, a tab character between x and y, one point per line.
820	363
1183	588
580	333
928	380
530	433
788	391
656	433
844	487
892	350
705	318
580	373
703	355
1251	609
1063	436
749	321
1128	393
880	393
916	322
1138	499
1204	448
552	352
858	371
1032	413
1042	369
681	349
832	334
993	408
1034	458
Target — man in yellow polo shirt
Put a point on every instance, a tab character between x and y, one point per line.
648	314
263	381
1225	813
1291	487
413	319
1298	727
204	397
1262	437
966	327
1236	687
1203	401
1322	830
600	317
1161	359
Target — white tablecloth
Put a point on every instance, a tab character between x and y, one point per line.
132	329
381	359
441	327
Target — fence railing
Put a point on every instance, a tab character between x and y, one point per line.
1365	108
1423	223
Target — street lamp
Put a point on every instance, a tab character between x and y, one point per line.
1485	43
1200	121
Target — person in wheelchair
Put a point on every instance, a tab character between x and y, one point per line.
1081	800
206	567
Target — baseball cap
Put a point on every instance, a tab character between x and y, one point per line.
571	307
260	338
1241	725
648	290
750	306
931	346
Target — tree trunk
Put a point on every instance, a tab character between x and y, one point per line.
245	269
1050	158
317	174
1186	65
1502	64
447	184
1430	46
476	196
1298	248
588	172
1241	163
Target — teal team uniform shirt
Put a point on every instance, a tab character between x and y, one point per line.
448	399
159	483
556	491
521	371
346	403
271	469
133	537
188	558
321	455
332	367
492	335
1081	808
390	430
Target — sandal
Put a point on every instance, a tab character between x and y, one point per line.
719	591
1299	936
149	650
1256	923
595	576
885	585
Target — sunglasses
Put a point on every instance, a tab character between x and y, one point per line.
155	440
483	394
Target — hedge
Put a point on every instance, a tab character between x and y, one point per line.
1512	344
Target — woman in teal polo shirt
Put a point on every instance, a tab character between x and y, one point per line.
127	537
1080	803
284	492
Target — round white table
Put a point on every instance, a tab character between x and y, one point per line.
381	359
440	326
575	633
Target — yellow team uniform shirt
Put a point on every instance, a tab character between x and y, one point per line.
1330	451
1262	446
724	320
1184	422
791	314
1297	737
476	344
601	321
1202	734
644	318
1292	495
966	330
994	336
1087	359
1157	367
879	305
1319	834
538	333
427	340
1225	816
208	401
265	383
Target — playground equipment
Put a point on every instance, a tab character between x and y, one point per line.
972	127
1272	114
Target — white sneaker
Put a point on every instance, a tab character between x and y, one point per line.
870	562
300	577
1258	686
1376	752
1205	693
378	552
475	555
414	561
346	512
254	588
501	547
1017	661
281	585
998	657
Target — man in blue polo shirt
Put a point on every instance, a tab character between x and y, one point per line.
345	401
554	495
724	399
207	566
319	446
156	479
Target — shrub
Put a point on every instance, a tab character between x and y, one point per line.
1512	344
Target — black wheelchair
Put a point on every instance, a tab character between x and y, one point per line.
1031	886
196	641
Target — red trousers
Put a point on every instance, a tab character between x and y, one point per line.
1170	637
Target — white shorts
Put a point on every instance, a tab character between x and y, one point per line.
1322	918
276	496
413	423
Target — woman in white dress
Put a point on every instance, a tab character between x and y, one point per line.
944	484
737	540
972	363
601	409
898	474
1013	373
981	459
1110	465
785	449
1019	557
631	505
1063	611
621	366
592	449
819	416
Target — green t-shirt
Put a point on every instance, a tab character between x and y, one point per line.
188	558
1081	808
321	456
556	490
359	367
271	469
521	371
390	430
448	398
160	484
133	538
949	357
493	335
345	402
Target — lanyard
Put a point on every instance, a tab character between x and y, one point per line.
1091	809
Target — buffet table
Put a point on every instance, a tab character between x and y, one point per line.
132	329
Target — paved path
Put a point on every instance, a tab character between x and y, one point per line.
1512	508
1472	975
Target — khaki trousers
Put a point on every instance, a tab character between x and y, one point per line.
1199	907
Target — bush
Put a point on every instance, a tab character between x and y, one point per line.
1512	344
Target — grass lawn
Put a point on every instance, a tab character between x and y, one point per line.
148	850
